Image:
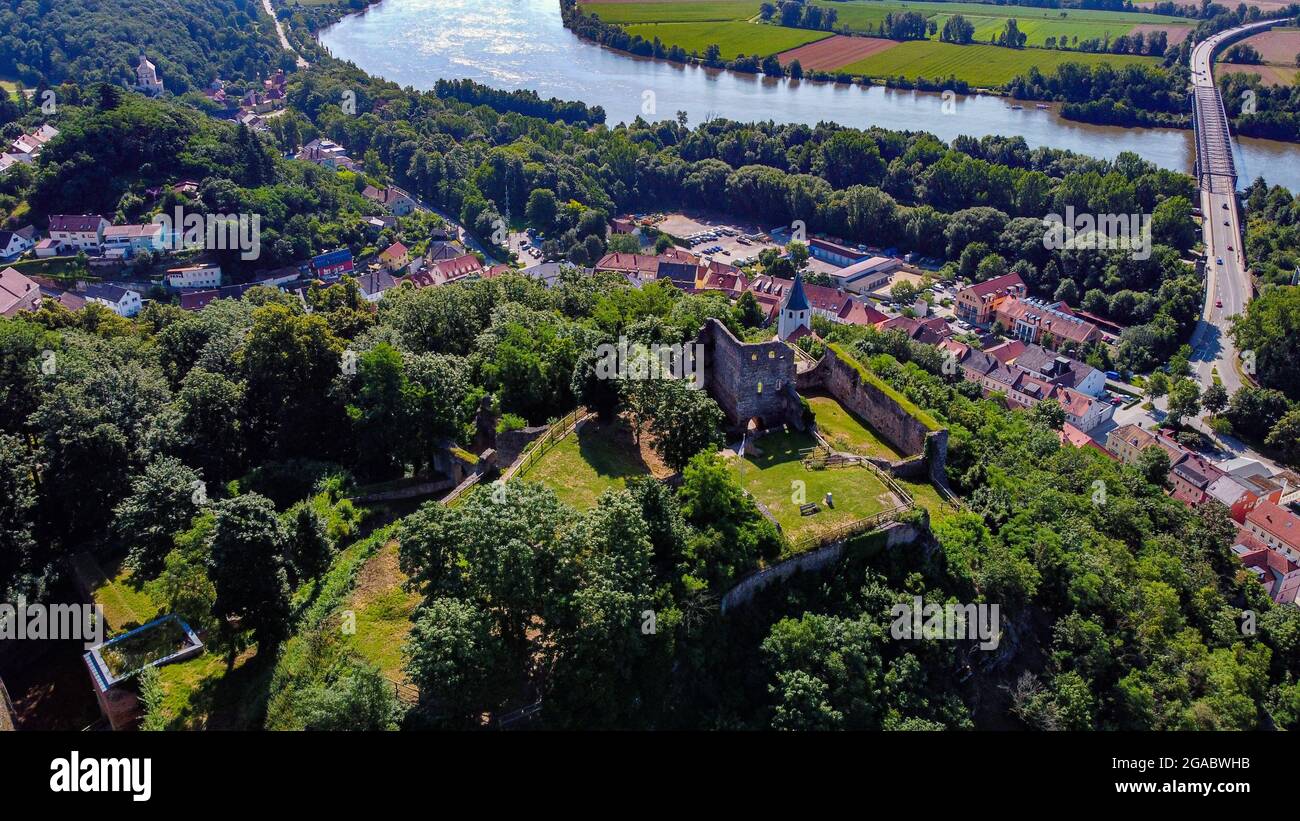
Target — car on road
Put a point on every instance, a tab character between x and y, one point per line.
1218	303
1218	260
1225	206
1225	222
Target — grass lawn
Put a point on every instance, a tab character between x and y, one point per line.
980	65
927	496
124	601
668	12
858	15
847	432
587	462
771	476
383	610
200	694
733	38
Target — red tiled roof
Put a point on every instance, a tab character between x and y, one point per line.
992	286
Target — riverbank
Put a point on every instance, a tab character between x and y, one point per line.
523	44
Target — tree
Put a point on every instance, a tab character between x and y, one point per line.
380	412
454	659
1048	413
1153	464
209	425
684	422
957	29
1184	400
163	499
309	546
354	696
19	561
1285	437
1254	411
246	566
1157	385
1215	397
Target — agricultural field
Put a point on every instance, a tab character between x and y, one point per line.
770	473
731	25
692	11
733	38
981	66
1279	49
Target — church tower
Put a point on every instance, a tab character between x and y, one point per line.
795	312
146	77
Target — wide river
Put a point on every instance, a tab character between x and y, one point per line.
522	44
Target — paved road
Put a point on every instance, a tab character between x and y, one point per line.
284	40
1227	276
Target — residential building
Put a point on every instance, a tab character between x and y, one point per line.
1081	410
120	301
1128	441
194	276
1190	480
1050	325
977	303
643	266
1276	527
1279	575
80	232
375	283
394	200
17	292
327	154
447	271
395	257
1243	467
1060	370
135	238
14	244
331	265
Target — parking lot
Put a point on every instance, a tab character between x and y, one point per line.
726	241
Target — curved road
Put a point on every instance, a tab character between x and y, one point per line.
1227	277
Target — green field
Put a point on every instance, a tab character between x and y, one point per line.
981	66
733	38
584	464
856	16
771	476
688	12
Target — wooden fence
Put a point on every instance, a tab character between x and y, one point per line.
539	446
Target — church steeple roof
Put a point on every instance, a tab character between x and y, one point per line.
797	300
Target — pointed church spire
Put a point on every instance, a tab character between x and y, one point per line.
797	300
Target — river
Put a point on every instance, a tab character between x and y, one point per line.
523	44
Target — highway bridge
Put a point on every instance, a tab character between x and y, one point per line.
1227	277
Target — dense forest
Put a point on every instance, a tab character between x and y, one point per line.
43	42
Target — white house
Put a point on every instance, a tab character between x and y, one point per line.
14	244
118	300
83	232
134	238
194	276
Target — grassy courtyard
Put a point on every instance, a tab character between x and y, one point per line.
586	463
848	432
774	474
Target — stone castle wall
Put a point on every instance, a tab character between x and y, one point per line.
749	380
